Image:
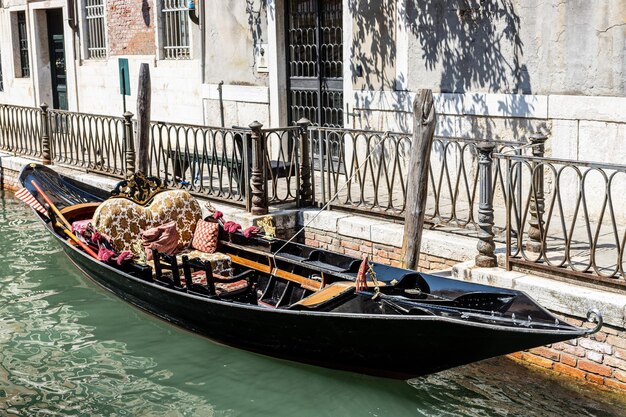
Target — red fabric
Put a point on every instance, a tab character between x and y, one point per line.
125	255
105	254
251	231
163	238
205	236
79	226
231	227
218	215
361	279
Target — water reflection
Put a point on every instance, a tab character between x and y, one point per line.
67	347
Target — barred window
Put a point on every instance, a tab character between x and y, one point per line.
175	27
96	33
22	38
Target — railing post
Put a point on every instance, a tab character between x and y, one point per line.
306	193
486	246
257	183
130	144
46	157
537	205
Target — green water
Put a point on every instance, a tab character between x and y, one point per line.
69	348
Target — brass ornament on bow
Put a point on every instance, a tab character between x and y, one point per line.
267	223
138	188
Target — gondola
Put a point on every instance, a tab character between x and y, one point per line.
306	304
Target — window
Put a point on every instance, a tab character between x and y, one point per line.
95	29
175	26
22	38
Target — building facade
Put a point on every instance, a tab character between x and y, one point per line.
500	69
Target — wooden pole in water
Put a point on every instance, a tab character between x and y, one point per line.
424	119
142	140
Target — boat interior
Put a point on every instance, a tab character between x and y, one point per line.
272	273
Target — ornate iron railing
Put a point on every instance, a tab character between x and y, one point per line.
367	171
566	216
93	142
282	164
20	129
210	161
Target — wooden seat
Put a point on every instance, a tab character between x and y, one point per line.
219	285
326	294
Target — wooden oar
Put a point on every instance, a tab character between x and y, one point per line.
65	225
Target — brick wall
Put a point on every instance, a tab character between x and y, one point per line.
8	179
385	254
130	27
599	359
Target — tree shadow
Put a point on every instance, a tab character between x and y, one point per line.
470	45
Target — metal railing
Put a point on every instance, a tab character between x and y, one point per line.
210	161
366	171
282	164
559	215
20	129
566	216
93	142
219	162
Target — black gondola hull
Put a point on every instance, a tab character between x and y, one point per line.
392	346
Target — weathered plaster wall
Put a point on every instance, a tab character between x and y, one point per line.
234	30
373	53
518	46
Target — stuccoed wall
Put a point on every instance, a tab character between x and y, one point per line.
373	54
518	46
234	30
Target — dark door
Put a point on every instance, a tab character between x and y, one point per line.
315	61
57	58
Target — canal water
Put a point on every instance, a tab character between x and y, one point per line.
69	348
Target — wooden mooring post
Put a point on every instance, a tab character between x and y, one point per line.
142	140
424	120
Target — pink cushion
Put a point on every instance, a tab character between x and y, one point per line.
163	238
205	236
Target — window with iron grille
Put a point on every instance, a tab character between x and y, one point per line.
95	28
175	29
22	38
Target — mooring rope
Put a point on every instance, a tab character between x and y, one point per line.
371	153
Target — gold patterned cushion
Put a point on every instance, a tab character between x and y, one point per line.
122	220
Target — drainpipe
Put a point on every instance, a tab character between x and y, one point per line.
191	7
202	41
71	15
73	24
219	90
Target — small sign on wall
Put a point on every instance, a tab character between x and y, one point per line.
124	76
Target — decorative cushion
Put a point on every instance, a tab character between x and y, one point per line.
122	220
199	277
163	238
205	236
220	262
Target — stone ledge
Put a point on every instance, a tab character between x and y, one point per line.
558	296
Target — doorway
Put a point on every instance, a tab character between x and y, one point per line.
315	61
56	46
